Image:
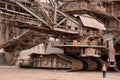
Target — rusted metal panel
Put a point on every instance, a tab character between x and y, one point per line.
88	21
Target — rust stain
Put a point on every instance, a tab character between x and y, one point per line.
91	22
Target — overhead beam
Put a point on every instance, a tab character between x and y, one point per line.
68	17
32	13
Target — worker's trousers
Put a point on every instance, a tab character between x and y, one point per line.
104	74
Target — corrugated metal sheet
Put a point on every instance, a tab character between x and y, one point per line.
91	22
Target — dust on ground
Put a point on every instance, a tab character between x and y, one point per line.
15	73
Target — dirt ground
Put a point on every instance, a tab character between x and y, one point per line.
15	73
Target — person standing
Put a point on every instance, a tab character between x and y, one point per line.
104	69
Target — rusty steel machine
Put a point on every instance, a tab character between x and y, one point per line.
86	30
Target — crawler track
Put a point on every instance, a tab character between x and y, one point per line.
62	61
56	61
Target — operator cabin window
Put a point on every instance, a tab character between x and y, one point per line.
88	31
69	27
76	28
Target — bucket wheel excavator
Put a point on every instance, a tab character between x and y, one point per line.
83	29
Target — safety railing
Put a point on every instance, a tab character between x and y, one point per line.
72	43
20	18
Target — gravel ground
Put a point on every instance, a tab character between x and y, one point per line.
15	73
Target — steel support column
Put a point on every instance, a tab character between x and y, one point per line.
112	61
